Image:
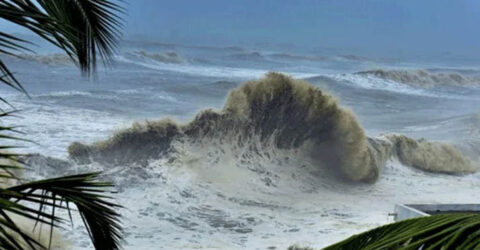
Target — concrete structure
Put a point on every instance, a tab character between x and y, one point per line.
407	211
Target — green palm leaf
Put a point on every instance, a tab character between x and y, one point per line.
445	231
83	191
83	29
87	194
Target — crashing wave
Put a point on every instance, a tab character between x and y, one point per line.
422	78
429	156
283	114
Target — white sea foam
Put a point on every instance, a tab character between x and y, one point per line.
53	127
213	71
371	82
250	191
205	199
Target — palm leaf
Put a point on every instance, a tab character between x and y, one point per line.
86	27
98	214
9	161
12	236
85	192
445	231
81	28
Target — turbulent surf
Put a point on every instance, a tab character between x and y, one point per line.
423	78
222	156
278	112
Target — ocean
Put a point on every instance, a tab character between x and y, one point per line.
309	156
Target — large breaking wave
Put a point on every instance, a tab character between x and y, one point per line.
273	119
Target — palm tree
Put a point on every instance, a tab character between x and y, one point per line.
83	29
444	231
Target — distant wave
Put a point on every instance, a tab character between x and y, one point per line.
104	95
372	82
165	57
247	56
50	59
196	69
316	58
287	56
65	94
422	78
279	56
271	120
76	95
202	70
223	84
463	71
354	58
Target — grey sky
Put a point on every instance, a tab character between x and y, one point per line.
383	26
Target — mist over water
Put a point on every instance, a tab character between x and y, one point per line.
232	157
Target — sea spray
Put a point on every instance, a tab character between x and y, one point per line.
294	112
428	156
277	113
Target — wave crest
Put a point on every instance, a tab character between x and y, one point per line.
287	56
422	78
165	57
247	56
50	59
425	155
280	113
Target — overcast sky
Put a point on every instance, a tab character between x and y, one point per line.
429	26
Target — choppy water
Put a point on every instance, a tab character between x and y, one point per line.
209	202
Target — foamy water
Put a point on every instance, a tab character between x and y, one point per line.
210	196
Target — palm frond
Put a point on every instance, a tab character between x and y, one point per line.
9	162
445	231
86	27
11	235
81	28
9	79
84	191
